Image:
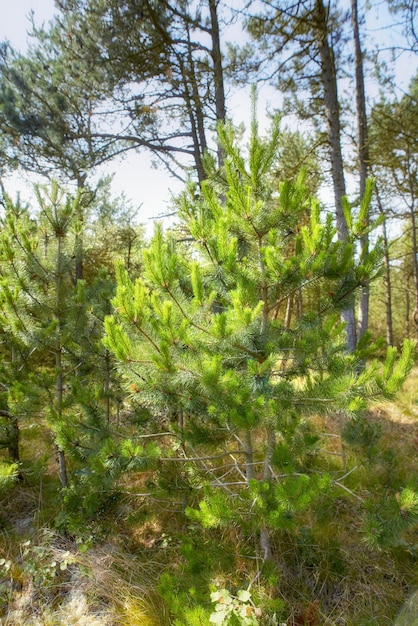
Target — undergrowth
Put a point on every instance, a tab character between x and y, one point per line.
143	562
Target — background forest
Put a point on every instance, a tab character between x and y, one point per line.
203	425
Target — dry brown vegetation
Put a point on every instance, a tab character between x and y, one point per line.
47	579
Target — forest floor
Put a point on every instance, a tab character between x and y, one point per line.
125	576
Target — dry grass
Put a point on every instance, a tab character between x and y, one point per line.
360	586
114	584
102	586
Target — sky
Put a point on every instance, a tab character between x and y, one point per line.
135	176
145	187
15	22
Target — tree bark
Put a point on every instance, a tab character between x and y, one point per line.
387	278
217	71
195	113
249	459
14	432
332	114
407	309
414	264
363	157
62	465
79	244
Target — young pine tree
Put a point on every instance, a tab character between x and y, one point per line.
53	321
228	379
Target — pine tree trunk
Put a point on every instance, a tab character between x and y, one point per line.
62	465
107	387
195	113
388	290
249	458
363	157
414	263
407	309
271	446
79	270
58	361
332	113
79	244
217	71
265	542
288	314
386	279
14	433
